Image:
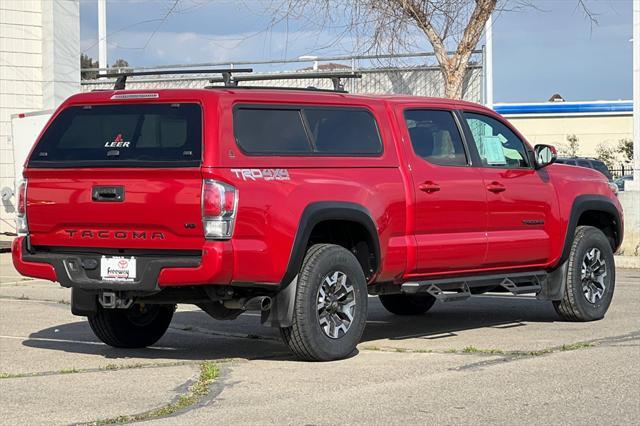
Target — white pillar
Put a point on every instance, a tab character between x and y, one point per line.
102	35
60	51
636	94
488	34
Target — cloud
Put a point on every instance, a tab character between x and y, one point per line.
189	47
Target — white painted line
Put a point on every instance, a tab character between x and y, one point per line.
8	299
84	342
42	339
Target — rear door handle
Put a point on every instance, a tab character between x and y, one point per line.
429	187
496	187
107	193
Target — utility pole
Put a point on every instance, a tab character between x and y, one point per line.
636	95
102	35
488	35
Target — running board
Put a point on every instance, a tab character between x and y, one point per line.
454	289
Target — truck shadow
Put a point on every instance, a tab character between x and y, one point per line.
193	335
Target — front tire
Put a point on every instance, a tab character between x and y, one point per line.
136	327
330	308
591	277
407	304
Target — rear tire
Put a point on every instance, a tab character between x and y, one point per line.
407	304
330	308
136	327
591	277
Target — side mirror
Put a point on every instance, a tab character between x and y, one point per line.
545	155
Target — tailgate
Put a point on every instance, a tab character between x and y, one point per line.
118	176
159	209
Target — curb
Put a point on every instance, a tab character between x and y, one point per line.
632	262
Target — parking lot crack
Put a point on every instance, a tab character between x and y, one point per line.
196	393
108	367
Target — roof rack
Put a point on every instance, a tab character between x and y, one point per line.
121	78
231	80
335	77
308	88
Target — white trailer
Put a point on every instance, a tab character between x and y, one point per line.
25	129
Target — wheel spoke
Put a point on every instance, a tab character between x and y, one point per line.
593	274
336	304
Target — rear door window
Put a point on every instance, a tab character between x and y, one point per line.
122	135
307	131
435	137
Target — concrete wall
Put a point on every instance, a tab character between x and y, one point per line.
39	67
630	201
591	130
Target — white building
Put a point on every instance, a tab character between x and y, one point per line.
39	68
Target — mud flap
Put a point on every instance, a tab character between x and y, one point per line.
554	285
281	312
83	302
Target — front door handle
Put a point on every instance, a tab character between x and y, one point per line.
496	187
429	187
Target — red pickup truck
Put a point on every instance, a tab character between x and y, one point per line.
300	204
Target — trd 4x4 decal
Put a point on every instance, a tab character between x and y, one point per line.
264	174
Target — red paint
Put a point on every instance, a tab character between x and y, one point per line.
431	220
30	269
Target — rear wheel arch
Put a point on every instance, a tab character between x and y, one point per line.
349	225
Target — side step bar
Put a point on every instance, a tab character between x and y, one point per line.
454	289
450	295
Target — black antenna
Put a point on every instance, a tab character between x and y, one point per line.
335	77
227	77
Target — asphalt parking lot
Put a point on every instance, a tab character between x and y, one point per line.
491	359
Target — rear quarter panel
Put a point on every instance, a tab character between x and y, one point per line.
270	209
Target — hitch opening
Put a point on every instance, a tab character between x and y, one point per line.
111	300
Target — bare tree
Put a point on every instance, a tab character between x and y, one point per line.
572	148
390	26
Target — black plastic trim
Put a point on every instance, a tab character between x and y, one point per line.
322	211
71	269
584	203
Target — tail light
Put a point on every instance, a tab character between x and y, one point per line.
21	217
219	206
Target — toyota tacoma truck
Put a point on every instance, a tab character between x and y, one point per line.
300	204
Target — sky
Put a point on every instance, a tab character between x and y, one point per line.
538	51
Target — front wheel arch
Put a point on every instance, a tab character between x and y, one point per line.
597	211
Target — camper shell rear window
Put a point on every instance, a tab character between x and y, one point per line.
135	135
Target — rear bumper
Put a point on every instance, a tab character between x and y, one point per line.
70	268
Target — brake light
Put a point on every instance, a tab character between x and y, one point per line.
219	206
21	217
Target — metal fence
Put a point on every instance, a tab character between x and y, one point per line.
621	170
412	74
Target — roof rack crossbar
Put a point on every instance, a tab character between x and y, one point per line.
335	77
309	88
121	78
